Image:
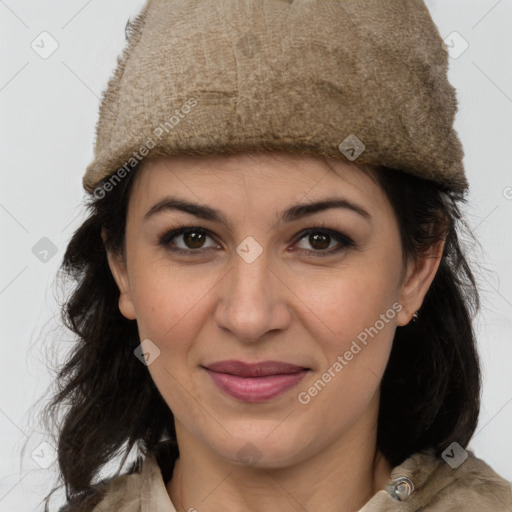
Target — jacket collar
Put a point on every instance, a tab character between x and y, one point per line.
421	480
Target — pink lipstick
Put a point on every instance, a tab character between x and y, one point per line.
255	382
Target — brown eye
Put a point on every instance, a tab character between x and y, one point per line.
193	239
187	240
321	239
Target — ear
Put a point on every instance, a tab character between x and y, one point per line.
419	277
120	274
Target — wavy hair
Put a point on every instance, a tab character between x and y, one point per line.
430	391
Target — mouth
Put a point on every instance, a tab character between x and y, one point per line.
255	382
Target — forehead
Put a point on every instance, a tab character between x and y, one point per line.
260	187
265	171
263	188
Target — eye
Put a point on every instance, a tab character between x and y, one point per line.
322	239
189	240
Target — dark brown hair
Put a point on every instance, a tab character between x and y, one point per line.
430	392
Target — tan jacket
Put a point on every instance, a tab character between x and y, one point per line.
422	483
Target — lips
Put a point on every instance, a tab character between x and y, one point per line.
261	369
255	382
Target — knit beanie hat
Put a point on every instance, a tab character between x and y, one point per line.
360	80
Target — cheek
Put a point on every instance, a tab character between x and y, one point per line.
345	303
169	301
350	313
170	307
353	323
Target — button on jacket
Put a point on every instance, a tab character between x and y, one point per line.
422	483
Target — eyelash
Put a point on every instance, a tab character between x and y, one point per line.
344	240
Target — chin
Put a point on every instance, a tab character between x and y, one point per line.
261	451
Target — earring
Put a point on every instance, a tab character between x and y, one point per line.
414	317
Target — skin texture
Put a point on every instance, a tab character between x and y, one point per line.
285	305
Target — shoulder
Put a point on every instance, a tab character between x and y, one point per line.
459	481
143	485
124	492
477	485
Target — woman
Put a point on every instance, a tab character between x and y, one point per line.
306	345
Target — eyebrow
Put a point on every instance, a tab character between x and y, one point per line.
293	213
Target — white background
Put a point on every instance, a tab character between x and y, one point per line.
49	108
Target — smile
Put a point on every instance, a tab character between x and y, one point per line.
255	382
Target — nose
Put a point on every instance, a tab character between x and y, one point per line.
253	300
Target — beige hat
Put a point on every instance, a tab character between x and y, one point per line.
360	80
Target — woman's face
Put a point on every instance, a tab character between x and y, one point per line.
251	284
